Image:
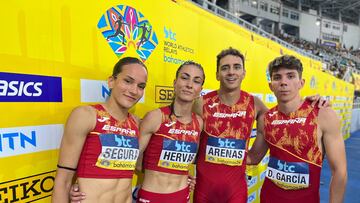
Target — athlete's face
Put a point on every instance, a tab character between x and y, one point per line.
286	84
230	72
188	84
128	86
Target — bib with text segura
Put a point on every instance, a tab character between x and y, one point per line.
118	152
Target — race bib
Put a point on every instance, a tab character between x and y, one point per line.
177	155
288	175
118	152
225	151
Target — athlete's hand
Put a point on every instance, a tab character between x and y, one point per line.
75	195
320	101
191	182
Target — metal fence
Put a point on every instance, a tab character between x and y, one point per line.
213	8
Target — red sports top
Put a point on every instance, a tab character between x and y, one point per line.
111	149
173	147
223	146
294	168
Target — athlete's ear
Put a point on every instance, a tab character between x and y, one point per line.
270	86
111	82
217	75
302	83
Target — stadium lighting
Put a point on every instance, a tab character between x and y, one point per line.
318	22
254	2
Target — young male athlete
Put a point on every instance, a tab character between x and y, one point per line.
228	114
298	136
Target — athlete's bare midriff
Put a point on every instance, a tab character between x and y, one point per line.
106	190
161	182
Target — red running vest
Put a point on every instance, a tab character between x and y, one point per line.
294	167
111	149
173	147
223	146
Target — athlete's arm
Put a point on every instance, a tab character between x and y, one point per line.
201	126
192	179
198	106
259	147
80	122
150	124
260	108
335	152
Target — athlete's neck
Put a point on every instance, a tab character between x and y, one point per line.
116	111
290	106
182	109
229	98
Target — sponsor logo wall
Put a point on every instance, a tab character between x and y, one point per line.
29	88
29	139
28	189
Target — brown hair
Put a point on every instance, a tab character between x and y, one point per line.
125	61
286	61
229	51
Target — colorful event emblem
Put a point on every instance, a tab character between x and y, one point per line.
124	27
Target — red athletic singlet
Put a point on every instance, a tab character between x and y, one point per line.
293	173
111	149
223	146
173	147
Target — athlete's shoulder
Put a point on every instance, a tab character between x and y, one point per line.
153	115
82	117
327	113
84	111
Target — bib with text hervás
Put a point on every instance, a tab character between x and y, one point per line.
177	154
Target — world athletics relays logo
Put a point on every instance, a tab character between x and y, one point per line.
123	26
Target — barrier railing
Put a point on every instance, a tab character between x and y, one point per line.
213	8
